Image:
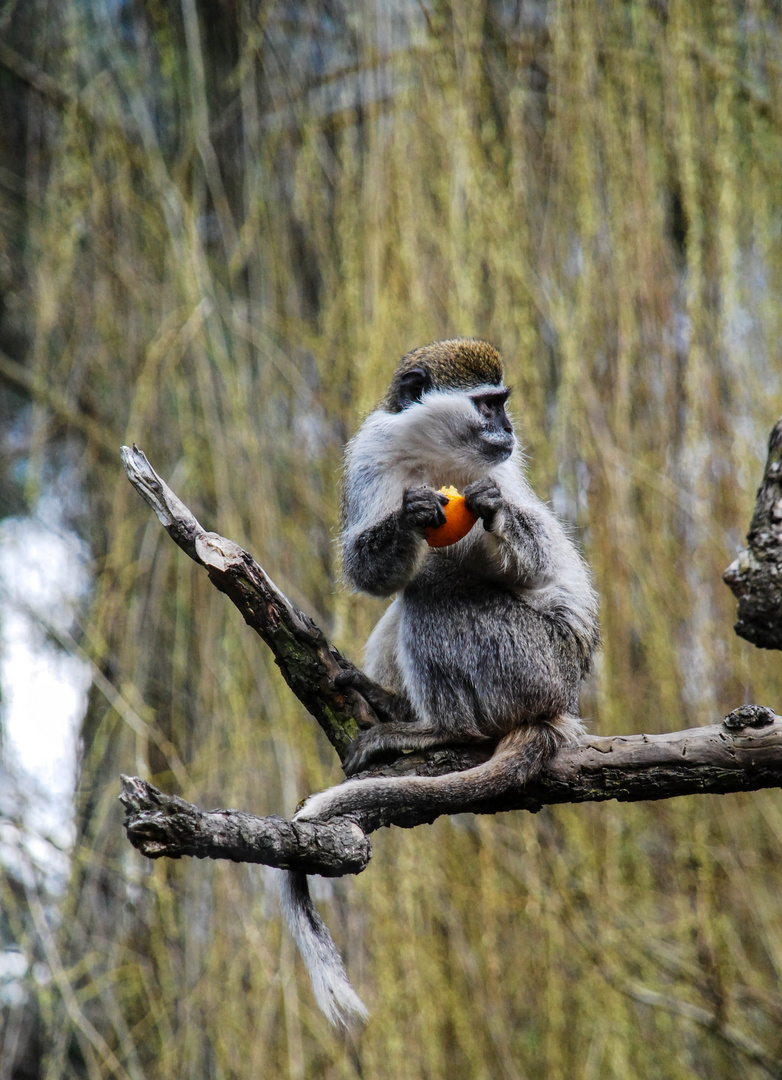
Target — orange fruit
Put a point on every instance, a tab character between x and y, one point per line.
458	521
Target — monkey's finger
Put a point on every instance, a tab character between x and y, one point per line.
367	748
356	757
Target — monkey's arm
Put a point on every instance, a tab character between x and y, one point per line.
380	558
524	538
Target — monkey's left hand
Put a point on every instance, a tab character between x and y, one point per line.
484	498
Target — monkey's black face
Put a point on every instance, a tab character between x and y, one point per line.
495	433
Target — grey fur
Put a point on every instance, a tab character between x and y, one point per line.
488	639
333	993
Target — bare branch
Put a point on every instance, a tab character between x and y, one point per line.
159	825
742	754
315	671
755	575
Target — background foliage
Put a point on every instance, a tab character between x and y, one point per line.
221	225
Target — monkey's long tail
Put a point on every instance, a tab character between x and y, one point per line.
518	758
333	993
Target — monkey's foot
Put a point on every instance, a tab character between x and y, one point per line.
388	706
365	750
384	742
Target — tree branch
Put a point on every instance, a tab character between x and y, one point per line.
315	671
755	575
743	753
159	824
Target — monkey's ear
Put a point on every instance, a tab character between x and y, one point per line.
412	384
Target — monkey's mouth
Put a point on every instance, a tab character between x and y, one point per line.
496	446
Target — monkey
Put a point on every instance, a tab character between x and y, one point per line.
485	642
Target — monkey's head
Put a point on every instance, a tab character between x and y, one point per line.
458	385
455	364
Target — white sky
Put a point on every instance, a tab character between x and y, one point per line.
43	573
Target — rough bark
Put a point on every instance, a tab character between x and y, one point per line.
315	671
159	824
743	753
755	575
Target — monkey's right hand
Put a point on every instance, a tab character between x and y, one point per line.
422	508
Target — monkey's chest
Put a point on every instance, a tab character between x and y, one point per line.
474	657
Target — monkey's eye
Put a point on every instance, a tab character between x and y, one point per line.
492	399
490	405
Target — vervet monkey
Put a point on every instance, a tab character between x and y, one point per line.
486	641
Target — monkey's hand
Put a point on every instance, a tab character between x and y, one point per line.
383	556
422	508
484	498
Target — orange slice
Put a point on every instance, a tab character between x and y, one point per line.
458	521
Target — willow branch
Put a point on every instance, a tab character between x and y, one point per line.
42	390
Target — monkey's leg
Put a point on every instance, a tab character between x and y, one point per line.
395	737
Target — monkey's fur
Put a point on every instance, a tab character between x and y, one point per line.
486	641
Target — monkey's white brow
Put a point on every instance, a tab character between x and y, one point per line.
491	397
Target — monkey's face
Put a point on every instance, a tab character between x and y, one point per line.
449	403
456	436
